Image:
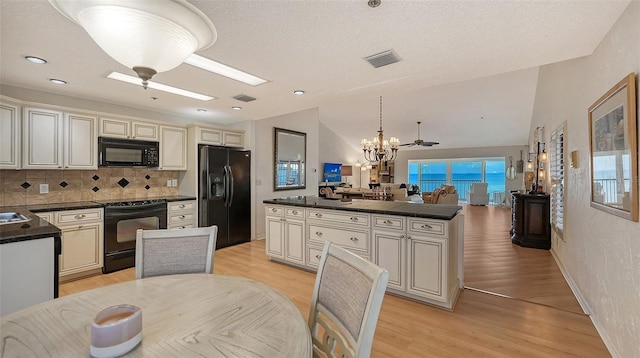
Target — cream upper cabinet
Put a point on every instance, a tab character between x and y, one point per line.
233	139
123	128
173	148
219	137
57	140
9	136
42	136
80	141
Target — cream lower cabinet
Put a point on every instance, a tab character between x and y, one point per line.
286	234
82	241
181	214
423	256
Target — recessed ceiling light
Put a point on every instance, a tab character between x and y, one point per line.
223	70
236	108
57	81
201	110
159	86
298	92
34	59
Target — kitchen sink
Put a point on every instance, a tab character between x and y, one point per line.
12	218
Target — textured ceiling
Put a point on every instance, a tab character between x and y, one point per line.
461	60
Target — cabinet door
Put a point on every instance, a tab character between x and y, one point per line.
42	139
9	136
115	128
275	236
427	266
144	131
173	148
294	241
81	248
209	136
390	254
233	139
81	142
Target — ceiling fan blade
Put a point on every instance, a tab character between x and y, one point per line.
429	144
407	144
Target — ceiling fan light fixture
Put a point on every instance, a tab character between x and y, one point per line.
156	35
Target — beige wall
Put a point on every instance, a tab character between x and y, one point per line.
601	252
334	149
304	121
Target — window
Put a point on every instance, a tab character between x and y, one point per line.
461	173
557	181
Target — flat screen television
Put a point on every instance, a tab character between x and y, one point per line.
332	172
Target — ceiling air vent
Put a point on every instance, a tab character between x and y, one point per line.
244	98
383	58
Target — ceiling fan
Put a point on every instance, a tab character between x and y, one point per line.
419	141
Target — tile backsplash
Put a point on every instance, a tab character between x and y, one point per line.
22	187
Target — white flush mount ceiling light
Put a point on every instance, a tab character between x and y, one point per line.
298	92
223	70
38	60
146	36
57	81
159	86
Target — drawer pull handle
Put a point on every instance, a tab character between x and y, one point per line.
402	236
353	218
79	216
180	227
318	215
80	226
426	226
353	238
318	257
388	222
181	206
295	212
318	233
181	216
273	210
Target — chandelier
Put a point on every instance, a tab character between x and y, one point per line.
146	36
379	149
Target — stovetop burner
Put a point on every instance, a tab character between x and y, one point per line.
135	202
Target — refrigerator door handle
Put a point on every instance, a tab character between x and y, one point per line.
230	186
226	186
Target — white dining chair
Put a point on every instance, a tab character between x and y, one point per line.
176	251
345	305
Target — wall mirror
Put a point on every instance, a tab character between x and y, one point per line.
290	154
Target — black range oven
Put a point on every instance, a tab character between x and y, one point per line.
121	221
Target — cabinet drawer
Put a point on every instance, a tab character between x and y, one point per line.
295	213
181	205
179	227
274	210
347	238
314	254
339	217
78	216
429	227
46	216
395	223
181	219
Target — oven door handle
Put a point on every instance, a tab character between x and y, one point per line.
126	210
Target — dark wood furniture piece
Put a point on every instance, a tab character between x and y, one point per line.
530	220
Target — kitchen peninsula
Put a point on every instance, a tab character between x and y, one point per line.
421	245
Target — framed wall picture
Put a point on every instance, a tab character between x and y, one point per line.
614	150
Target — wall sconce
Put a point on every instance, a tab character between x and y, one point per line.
529	162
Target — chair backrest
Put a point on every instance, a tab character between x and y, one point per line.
479	188
176	251
346	302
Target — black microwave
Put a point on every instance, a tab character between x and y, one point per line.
114	152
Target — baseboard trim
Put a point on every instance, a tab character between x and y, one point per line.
585	307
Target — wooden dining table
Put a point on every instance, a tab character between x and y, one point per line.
195	315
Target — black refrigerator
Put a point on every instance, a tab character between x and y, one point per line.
224	193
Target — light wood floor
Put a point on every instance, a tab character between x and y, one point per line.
482	325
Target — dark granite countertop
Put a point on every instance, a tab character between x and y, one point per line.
35	228
429	211
76	205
